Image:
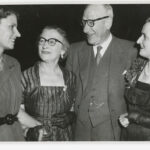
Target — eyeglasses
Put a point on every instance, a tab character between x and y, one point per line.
91	22
51	41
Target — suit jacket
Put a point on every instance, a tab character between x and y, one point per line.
10	98
122	53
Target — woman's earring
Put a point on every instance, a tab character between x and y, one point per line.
62	56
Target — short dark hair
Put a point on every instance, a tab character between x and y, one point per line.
6	11
147	20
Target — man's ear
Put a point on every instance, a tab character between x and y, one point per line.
108	23
62	52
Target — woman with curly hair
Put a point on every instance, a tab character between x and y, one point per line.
49	90
136	122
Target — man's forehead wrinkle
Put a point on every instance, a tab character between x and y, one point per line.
94	12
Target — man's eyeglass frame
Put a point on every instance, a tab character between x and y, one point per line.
91	22
48	41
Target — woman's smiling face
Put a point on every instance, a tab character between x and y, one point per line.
8	32
50	45
144	41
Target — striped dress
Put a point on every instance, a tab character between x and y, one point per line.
41	102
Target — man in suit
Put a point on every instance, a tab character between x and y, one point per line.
99	65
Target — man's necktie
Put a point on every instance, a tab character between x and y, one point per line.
98	55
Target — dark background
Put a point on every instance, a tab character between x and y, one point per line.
127	24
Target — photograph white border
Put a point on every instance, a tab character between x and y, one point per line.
73	145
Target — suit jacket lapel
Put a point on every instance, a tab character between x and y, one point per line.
115	59
85	63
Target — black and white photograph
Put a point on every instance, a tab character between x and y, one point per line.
75	72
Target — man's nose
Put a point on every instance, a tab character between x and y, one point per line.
86	28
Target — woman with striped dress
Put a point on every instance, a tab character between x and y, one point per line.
49	90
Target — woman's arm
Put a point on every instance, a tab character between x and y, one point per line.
138	118
135	117
26	120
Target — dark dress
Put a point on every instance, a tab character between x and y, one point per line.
138	99
42	102
137	96
10	98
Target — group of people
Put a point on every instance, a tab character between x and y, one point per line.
102	94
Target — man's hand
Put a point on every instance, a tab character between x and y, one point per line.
62	120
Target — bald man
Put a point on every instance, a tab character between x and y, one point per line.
99	64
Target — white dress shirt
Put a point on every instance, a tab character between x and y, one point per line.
104	46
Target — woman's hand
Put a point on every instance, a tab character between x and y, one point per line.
26	120
124	121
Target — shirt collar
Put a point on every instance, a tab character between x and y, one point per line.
104	45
